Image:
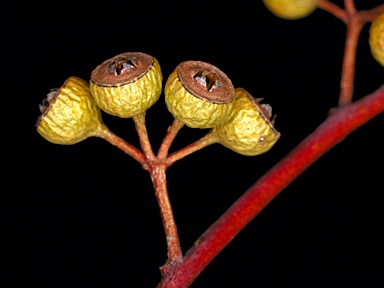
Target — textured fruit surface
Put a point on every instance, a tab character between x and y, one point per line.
248	131
376	39
130	99
72	116
194	112
291	9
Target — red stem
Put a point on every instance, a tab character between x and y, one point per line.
334	10
332	131
168	139
354	26
350	6
205	141
141	129
175	255
370	15
115	140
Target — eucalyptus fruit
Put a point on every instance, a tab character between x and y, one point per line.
376	39
127	84
291	9
249	129
199	94
69	114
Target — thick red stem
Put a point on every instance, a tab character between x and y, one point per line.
332	131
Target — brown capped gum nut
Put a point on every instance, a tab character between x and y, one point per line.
69	114
127	84
249	130
199	94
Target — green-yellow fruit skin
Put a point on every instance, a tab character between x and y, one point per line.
376	39
192	111
130	99
73	116
246	131
291	9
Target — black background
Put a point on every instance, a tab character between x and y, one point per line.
86	216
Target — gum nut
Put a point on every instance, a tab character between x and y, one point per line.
199	94
291	9
127	84
69	114
249	130
376	39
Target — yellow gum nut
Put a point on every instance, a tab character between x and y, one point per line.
127	84
199	94
69	114
376	39
249	130
291	9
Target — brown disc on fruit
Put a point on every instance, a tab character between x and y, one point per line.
127	84
122	69
199	94
206	82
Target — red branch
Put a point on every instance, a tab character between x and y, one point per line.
332	131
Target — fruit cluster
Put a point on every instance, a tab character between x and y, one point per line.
196	93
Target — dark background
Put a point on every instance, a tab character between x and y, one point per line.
86	216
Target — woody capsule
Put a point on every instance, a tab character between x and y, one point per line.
199	94
376	39
249	129
69	114
126	84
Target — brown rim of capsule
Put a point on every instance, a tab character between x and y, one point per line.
206	82
122	69
265	111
